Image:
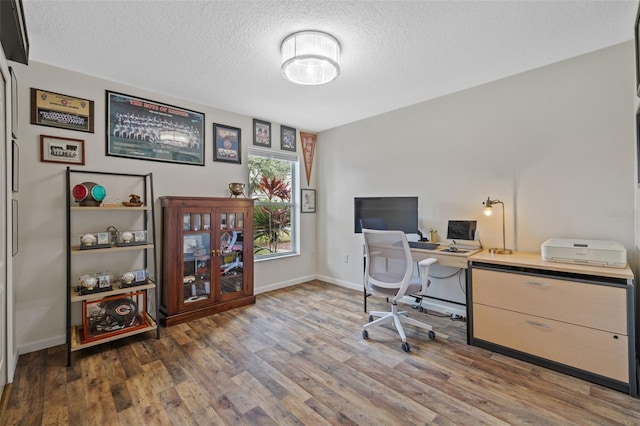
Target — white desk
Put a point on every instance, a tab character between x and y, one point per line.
444	257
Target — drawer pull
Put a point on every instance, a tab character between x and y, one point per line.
538	324
537	284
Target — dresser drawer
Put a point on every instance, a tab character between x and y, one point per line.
591	350
596	306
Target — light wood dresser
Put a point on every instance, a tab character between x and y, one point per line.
576	319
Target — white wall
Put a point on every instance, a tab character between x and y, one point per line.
40	264
556	144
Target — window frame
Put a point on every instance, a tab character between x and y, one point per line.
294	159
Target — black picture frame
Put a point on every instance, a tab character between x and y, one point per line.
143	129
15	167
227	144
14	104
261	133
287	138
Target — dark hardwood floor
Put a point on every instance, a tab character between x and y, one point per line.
297	357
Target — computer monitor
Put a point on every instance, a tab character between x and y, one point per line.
461	230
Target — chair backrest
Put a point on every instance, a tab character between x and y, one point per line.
388	259
373	223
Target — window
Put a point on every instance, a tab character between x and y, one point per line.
273	183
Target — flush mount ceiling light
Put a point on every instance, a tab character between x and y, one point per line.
310	58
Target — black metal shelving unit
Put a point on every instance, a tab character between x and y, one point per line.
150	256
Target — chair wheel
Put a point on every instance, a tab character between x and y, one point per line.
431	334
370	318
405	347
365	334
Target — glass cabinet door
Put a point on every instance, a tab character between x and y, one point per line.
196	266
231	252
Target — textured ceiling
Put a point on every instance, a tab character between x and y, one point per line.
394	53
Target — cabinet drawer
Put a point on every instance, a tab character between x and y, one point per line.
591	350
596	306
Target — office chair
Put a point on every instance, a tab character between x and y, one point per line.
231	253
389	273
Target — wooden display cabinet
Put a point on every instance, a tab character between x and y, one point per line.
207	256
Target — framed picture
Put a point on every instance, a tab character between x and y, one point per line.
57	110
148	130
308	204
14	227
15	166
54	149
226	140
261	133
288	138
14	104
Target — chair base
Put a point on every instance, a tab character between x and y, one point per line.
398	318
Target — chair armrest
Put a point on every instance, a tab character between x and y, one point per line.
424	265
426	262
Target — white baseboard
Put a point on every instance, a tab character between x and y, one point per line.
42	344
341	283
284	284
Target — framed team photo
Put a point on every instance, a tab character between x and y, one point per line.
147	130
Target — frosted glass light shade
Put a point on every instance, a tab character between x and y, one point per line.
310	58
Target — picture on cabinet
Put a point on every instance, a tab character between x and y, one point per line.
54	149
288	138
63	111
226	143
148	130
261	133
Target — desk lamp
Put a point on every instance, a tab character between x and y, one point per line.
488	211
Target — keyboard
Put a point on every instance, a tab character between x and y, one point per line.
424	245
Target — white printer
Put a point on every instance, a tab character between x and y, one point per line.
588	252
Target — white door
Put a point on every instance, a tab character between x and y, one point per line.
3	233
